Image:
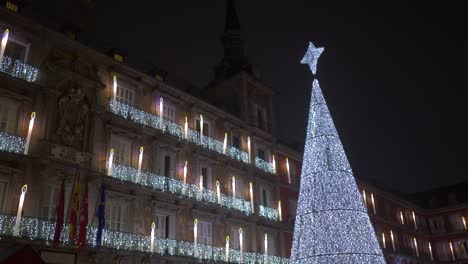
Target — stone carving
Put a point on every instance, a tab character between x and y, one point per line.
72	115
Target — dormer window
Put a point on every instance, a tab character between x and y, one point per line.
260	114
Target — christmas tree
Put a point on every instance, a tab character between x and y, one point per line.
332	224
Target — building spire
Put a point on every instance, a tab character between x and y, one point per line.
232	21
234	60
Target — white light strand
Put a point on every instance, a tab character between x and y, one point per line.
11	143
331	218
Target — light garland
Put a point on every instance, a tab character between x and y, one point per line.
332	225
182	132
18	69
11	143
264	165
191	191
42	229
268	213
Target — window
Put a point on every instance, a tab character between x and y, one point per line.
8	116
265	196
50	199
207	180
271	244
161	225
117	214
168	171
261	117
235	139
292	207
206	127
292	170
122	150
261	153
169	112
457	222
239	187
234	239
125	94
16	50
204	233
3	193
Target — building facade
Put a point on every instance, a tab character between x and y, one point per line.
207	170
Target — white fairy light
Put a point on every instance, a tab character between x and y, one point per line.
153	225
110	161
225	143
265	243
24	189
233	180
251	197
30	128
288	171
331	218
201	129
227	249
5	35
114	88
140	160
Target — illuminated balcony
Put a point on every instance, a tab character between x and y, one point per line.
264	165
174	129
186	190
11	143
268	213
18	69
41	229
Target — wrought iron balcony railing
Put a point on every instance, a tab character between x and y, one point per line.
141	117
187	190
18	69
43	230
264	165
11	143
268	213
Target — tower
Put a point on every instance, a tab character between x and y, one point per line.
332	225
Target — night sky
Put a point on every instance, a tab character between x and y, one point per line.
393	74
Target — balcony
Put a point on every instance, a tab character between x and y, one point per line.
40	229
174	129
264	165
186	190
268	213
11	143
18	69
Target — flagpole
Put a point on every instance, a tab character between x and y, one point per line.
95	206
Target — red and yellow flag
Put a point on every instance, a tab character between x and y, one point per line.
74	204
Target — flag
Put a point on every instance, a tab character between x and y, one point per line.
83	219
101	214
75	200
59	212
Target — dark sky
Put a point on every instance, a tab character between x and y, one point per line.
393	74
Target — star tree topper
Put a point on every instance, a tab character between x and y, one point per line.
311	57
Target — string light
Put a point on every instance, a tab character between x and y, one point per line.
264	165
11	143
42	229
268	213
331	218
24	189
28	138
18	69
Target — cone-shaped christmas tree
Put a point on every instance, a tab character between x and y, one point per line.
332	224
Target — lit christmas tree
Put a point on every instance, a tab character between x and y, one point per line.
332	224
